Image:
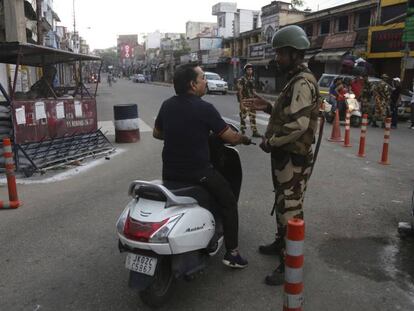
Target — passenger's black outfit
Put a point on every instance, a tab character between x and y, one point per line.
185	122
395	94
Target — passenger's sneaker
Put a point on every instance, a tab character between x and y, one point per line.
277	277
412	127
234	261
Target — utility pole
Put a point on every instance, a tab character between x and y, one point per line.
39	22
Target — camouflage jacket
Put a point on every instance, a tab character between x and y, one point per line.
293	121
245	86
366	92
383	91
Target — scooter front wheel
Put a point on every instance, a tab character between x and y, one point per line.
160	291
355	121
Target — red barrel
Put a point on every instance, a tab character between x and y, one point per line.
126	123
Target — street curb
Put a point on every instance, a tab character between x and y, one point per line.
267	96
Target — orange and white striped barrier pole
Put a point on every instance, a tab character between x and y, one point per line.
11	178
384	156
347	129
293	288
364	125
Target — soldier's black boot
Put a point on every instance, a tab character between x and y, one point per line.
277	277
274	248
256	134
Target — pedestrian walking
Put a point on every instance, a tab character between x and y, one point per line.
395	97
289	136
245	90
382	97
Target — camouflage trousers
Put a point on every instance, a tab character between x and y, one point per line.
244	112
366	107
382	109
290	174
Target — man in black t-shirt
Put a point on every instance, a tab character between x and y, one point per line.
184	123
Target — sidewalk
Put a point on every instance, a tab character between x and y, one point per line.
267	96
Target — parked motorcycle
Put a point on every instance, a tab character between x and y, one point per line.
169	229
352	104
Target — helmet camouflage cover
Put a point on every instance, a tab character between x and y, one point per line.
291	36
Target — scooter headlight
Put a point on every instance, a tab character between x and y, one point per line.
161	235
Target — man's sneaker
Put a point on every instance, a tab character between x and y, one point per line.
274	248
412	127
256	134
277	277
234	261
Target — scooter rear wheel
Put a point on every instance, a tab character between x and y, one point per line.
160	291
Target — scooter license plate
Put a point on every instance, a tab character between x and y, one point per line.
141	264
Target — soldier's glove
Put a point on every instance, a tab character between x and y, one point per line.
245	140
264	145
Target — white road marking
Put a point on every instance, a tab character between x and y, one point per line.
68	173
108	128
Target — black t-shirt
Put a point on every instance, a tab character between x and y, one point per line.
186	122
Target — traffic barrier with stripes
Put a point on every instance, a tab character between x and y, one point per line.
384	156
11	178
347	129
293	288
336	130
126	123
364	124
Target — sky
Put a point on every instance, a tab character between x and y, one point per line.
100	22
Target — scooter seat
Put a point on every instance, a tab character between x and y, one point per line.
189	190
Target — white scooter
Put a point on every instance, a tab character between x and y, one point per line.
170	229
352	105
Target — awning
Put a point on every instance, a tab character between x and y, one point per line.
38	55
260	62
333	56
308	56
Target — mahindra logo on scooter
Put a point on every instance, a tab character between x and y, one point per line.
195	228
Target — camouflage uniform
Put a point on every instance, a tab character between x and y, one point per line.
245	86
365	98
382	96
290	133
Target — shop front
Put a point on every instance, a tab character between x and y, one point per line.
386	50
334	49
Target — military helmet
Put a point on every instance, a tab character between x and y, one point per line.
292	36
247	66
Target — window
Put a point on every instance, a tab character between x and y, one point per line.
255	21
308	30
343	23
269	34
222	21
364	19
325	25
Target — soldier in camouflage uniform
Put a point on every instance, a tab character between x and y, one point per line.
289	136
365	97
245	90
382	97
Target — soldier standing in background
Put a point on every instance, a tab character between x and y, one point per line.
365	97
382	97
246	90
289	137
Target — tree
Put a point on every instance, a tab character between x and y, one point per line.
297	3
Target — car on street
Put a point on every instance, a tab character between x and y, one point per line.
215	83
138	78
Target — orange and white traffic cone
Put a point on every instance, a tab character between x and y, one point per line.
293	288
336	130
364	125
11	178
347	129
384	156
